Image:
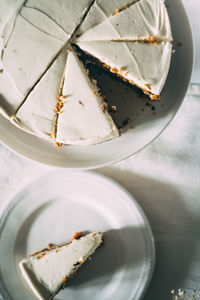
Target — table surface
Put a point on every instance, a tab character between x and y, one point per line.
164	178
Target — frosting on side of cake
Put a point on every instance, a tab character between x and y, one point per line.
139	21
37	113
46	272
145	65
83	119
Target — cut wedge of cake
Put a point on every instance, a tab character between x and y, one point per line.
36	115
100	11
47	271
83	118
145	65
147	20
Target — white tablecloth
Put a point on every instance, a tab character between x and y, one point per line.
164	178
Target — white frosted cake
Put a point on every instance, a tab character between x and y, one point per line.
46	272
131	39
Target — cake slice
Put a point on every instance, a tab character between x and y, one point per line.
36	115
141	64
82	116
100	11
47	271
144	20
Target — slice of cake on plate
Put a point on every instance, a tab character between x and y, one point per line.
82	116
47	271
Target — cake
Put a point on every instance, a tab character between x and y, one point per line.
131	40
46	272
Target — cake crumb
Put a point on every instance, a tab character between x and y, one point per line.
41	255
114	70
51	246
151	38
94	92
64	279
81	103
58	145
113	107
117	10
125	5
131	81
155	97
77	235
148	86
126	73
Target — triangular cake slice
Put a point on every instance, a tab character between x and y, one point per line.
145	20
47	271
141	64
83	118
36	115
100	11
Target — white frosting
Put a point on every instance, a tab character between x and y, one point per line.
145	63
139	21
83	121
10	96
66	13
37	113
45	275
99	12
43	23
26	56
8	9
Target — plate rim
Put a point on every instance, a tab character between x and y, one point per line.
148	236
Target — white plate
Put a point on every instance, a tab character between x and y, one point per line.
146	125
56	206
